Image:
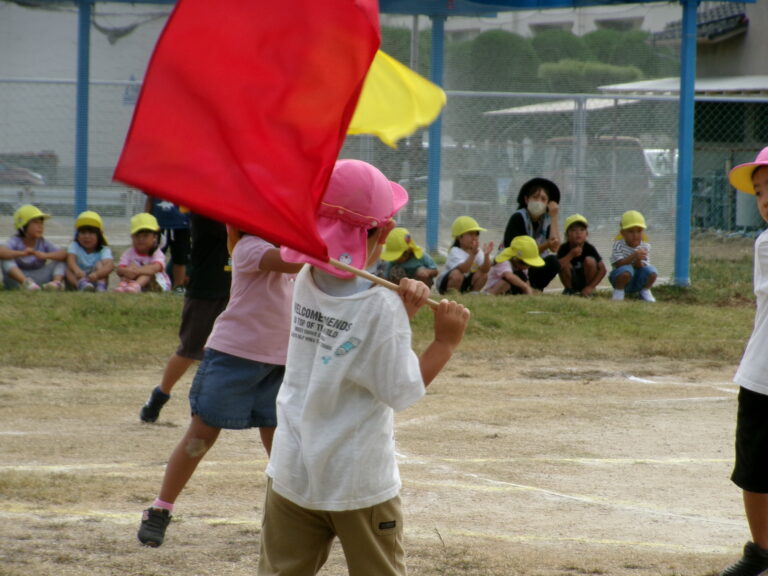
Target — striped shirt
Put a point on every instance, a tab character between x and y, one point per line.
621	250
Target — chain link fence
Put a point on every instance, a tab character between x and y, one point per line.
607	154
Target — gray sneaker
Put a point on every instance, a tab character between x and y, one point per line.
153	525
754	562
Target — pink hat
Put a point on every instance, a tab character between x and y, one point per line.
359	197
741	176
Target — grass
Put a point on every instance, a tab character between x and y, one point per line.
711	321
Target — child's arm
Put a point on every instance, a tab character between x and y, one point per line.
272	262
73	267
518	282
487	260
58	255
102	271
451	319
7	253
133	271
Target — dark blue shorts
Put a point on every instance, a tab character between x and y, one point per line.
235	393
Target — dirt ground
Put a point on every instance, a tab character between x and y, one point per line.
515	467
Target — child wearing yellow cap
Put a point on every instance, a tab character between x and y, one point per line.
89	257
406	259
142	266
632	271
29	260
581	266
509	273
467	265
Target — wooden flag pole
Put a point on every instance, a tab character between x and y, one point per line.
373	278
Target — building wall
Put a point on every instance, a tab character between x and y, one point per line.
743	55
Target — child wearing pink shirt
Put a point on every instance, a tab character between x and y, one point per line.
242	368
142	266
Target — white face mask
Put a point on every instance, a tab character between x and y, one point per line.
536	208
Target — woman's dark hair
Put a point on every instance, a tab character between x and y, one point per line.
529	188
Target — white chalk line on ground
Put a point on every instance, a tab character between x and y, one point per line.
214	465
70	515
549	539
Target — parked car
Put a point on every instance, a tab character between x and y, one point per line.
13	174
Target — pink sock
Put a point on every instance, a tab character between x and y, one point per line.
162	504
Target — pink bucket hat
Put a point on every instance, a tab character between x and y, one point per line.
740	176
359	197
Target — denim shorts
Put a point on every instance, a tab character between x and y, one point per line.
235	393
639	277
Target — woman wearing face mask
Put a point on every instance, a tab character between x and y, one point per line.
538	204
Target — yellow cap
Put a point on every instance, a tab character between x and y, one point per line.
464	224
573	218
398	241
632	219
523	248
92	219
144	221
23	215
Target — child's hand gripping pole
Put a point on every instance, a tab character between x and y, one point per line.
375	279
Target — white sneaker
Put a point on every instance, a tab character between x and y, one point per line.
618	294
30	285
645	294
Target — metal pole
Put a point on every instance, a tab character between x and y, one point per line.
435	139
685	144
81	123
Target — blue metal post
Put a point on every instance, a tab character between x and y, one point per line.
435	139
685	144
81	122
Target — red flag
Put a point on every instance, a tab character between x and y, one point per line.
244	109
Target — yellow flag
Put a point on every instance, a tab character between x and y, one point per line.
395	101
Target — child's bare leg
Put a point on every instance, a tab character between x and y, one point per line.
566	277
423	274
455	280
622	280
590	270
478	281
188	453
174	370
756	508
650	281
71	278
17	274
267	434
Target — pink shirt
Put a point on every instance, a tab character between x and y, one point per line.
256	323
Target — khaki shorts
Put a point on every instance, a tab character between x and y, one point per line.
296	541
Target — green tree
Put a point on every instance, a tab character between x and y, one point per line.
556	45
503	61
583	77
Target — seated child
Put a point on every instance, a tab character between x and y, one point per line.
632	271
405	259
89	258
466	267
28	259
142	266
581	266
509	273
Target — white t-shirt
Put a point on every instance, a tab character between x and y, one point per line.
457	256
350	366
753	369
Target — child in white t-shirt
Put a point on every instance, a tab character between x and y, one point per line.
350	366
750	470
467	265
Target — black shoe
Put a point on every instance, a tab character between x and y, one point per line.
753	563
151	410
153	525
